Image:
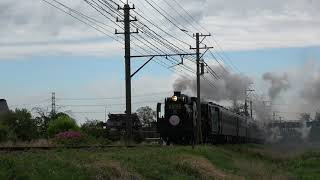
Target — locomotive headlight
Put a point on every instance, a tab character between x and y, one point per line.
174	120
174	98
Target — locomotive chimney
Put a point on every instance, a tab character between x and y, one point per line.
177	93
3	106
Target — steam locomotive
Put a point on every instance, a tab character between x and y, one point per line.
176	122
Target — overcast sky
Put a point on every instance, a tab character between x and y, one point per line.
43	50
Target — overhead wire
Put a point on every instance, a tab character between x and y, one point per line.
96	7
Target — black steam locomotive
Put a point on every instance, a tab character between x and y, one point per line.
177	122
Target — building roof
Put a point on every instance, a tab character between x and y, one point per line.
3	106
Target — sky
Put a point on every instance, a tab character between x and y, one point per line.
43	50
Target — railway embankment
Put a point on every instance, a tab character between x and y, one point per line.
162	162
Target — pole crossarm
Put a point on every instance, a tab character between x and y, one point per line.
202	35
131	32
164	55
205	47
205	52
180	63
141	67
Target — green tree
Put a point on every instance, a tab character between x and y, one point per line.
94	128
146	115
43	119
62	123
20	125
3	133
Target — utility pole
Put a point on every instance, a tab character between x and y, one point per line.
251	109
246	108
246	102
53	103
128	76
199	73
105	113
199	132
126	9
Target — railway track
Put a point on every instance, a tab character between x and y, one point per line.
27	148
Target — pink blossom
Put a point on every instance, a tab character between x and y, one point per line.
68	135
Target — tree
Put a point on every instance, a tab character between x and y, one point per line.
305	117
43	119
146	115
315	128
94	128
3	133
62	123
317	117
20	125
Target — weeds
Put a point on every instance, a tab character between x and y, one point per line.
203	162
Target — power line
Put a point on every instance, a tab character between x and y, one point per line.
115	97
90	20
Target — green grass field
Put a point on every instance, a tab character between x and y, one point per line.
174	162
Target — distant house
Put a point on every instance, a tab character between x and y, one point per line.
118	121
3	106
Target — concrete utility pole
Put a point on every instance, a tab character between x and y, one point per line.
127	56
105	114
246	103
53	103
199	132
246	108
127	32
251	109
199	73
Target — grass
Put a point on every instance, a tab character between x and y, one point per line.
178	162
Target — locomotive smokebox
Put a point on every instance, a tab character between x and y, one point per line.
3	106
177	93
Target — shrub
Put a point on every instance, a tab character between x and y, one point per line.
103	141
62	124
115	135
69	138
3	133
20	125
94	128
138	137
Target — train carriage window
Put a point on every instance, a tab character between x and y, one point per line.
214	118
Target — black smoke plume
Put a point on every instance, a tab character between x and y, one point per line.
228	86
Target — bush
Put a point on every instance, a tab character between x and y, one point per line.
20	125
76	138
62	124
3	133
138	137
115	135
94	128
69	138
